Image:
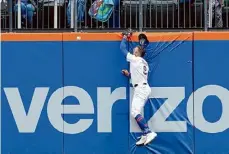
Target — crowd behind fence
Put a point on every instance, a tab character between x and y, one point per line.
83	15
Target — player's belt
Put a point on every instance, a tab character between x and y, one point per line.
137	85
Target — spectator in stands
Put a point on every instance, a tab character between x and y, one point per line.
27	9
79	7
215	6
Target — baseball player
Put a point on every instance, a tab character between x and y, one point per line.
139	75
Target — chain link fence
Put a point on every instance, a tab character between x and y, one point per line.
94	15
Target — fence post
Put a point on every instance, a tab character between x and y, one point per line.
55	13
72	12
75	15
10	15
19	14
206	24
140	16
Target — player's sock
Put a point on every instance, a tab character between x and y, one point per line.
142	124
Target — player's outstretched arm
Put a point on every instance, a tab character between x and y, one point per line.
123	47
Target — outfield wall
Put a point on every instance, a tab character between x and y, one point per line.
64	93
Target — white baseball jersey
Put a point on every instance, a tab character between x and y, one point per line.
138	69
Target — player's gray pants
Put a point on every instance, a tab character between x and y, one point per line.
216	8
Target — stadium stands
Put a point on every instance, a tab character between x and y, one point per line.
156	15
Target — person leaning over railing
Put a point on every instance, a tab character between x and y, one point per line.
215	7
27	10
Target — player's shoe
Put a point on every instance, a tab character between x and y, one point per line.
142	140
149	137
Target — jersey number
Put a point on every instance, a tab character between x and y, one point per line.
144	70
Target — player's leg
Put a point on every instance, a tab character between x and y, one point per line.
140	97
137	106
146	91
150	135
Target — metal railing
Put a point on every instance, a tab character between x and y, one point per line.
110	15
